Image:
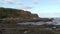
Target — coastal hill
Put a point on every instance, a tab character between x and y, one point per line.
10	17
19	15
9	12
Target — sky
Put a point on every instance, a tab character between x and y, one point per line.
44	8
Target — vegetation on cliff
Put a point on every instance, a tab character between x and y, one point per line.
20	15
8	12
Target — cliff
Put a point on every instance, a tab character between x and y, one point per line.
9	18
8	13
19	15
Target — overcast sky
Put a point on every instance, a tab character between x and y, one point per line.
44	8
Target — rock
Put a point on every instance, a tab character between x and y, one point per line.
46	19
20	15
35	16
8	12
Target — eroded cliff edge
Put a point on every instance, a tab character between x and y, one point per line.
16	15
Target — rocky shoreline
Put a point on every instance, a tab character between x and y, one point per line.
10	17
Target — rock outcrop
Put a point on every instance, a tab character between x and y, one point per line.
46	19
20	15
8	13
10	17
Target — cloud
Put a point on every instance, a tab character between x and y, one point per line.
55	14
57	2
53	1
35	1
1	3
9	1
26	7
19	3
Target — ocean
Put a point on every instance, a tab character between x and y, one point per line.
56	21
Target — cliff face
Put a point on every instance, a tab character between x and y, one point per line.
17	15
7	12
35	16
24	14
20	15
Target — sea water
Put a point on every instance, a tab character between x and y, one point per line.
56	21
